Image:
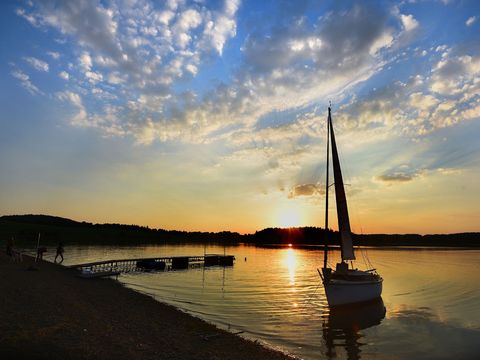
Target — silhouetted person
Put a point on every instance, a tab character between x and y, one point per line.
60	251
40	251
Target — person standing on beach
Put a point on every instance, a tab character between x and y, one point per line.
60	251
40	251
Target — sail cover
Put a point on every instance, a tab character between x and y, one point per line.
341	199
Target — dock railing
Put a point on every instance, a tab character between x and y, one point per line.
164	263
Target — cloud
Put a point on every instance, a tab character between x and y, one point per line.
64	75
305	190
408	21
106	120
328	45
222	26
422	101
37	64
151	45
395	177
85	61
98	32
55	55
454	75
470	20
400	174
188	20
30	18
25	82
115	78
147	53
93	77
421	105
433	166
80	118
472	113
72	97
297	63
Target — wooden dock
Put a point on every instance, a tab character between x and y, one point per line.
164	263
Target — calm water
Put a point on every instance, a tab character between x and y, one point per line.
431	297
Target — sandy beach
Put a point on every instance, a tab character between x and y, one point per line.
49	313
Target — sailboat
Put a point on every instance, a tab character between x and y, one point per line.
345	284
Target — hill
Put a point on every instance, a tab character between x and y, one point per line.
25	229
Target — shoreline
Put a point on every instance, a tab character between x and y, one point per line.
49	312
25	229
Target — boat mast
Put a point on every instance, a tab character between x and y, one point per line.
341	200
325	252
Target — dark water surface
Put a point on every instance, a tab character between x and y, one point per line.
430	307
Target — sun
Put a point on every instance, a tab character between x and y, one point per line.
289	217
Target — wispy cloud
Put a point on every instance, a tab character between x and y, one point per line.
25	82
396	177
54	55
32	19
471	20
38	64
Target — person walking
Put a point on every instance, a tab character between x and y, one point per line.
60	251
40	250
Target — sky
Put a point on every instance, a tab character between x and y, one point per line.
211	115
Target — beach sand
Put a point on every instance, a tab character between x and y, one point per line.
49	313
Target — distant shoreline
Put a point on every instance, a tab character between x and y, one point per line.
385	247
25	230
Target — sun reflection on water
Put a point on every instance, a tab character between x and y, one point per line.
291	262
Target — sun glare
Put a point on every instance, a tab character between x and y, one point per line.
291	262
289	217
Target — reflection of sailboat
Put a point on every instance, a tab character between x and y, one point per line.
344	285
341	330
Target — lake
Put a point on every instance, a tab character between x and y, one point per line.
430	307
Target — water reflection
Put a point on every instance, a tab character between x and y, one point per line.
433	337
276	297
342	327
291	262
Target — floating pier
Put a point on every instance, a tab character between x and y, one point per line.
165	263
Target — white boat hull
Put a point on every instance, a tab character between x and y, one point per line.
342	292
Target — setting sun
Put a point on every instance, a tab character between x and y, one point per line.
289	217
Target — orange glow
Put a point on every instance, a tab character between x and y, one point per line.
289	216
291	262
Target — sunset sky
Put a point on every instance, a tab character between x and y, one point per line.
211	115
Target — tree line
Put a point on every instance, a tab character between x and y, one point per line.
25	230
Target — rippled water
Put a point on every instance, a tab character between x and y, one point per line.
430	308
